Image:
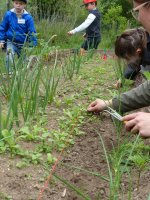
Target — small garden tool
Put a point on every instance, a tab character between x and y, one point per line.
113	113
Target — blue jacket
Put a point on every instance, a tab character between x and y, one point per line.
18	30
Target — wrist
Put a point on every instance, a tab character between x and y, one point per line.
2	41
108	103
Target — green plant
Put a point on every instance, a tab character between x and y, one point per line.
72	65
114	23
141	162
8	142
5	197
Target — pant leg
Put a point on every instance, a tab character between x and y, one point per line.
11	50
97	40
85	45
91	43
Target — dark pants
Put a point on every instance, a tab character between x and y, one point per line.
91	43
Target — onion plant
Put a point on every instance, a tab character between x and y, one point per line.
72	65
119	69
115	169
33	85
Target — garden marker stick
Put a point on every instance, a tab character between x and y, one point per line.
105	55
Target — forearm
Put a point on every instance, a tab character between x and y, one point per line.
2	34
84	25
4	28
136	98
33	40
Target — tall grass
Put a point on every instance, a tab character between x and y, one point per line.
49	82
59	28
119	69
72	65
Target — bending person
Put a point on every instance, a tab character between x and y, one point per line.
133	45
135	98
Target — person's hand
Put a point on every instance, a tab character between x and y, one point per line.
118	84
98	105
138	123
1	45
70	33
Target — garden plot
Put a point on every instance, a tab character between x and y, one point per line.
98	159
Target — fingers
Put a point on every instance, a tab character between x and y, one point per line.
135	130
1	45
129	125
93	103
97	106
129	117
92	107
70	33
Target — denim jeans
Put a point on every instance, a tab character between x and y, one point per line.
12	49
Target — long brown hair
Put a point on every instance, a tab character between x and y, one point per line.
129	41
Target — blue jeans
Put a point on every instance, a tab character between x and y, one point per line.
12	49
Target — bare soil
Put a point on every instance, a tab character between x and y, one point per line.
87	153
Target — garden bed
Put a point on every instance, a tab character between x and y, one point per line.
83	164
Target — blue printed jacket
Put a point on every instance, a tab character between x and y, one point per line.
18	30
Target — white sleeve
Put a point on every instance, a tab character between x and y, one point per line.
85	24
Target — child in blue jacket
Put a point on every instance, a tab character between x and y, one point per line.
16	29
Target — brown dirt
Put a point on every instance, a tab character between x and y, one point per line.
87	154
